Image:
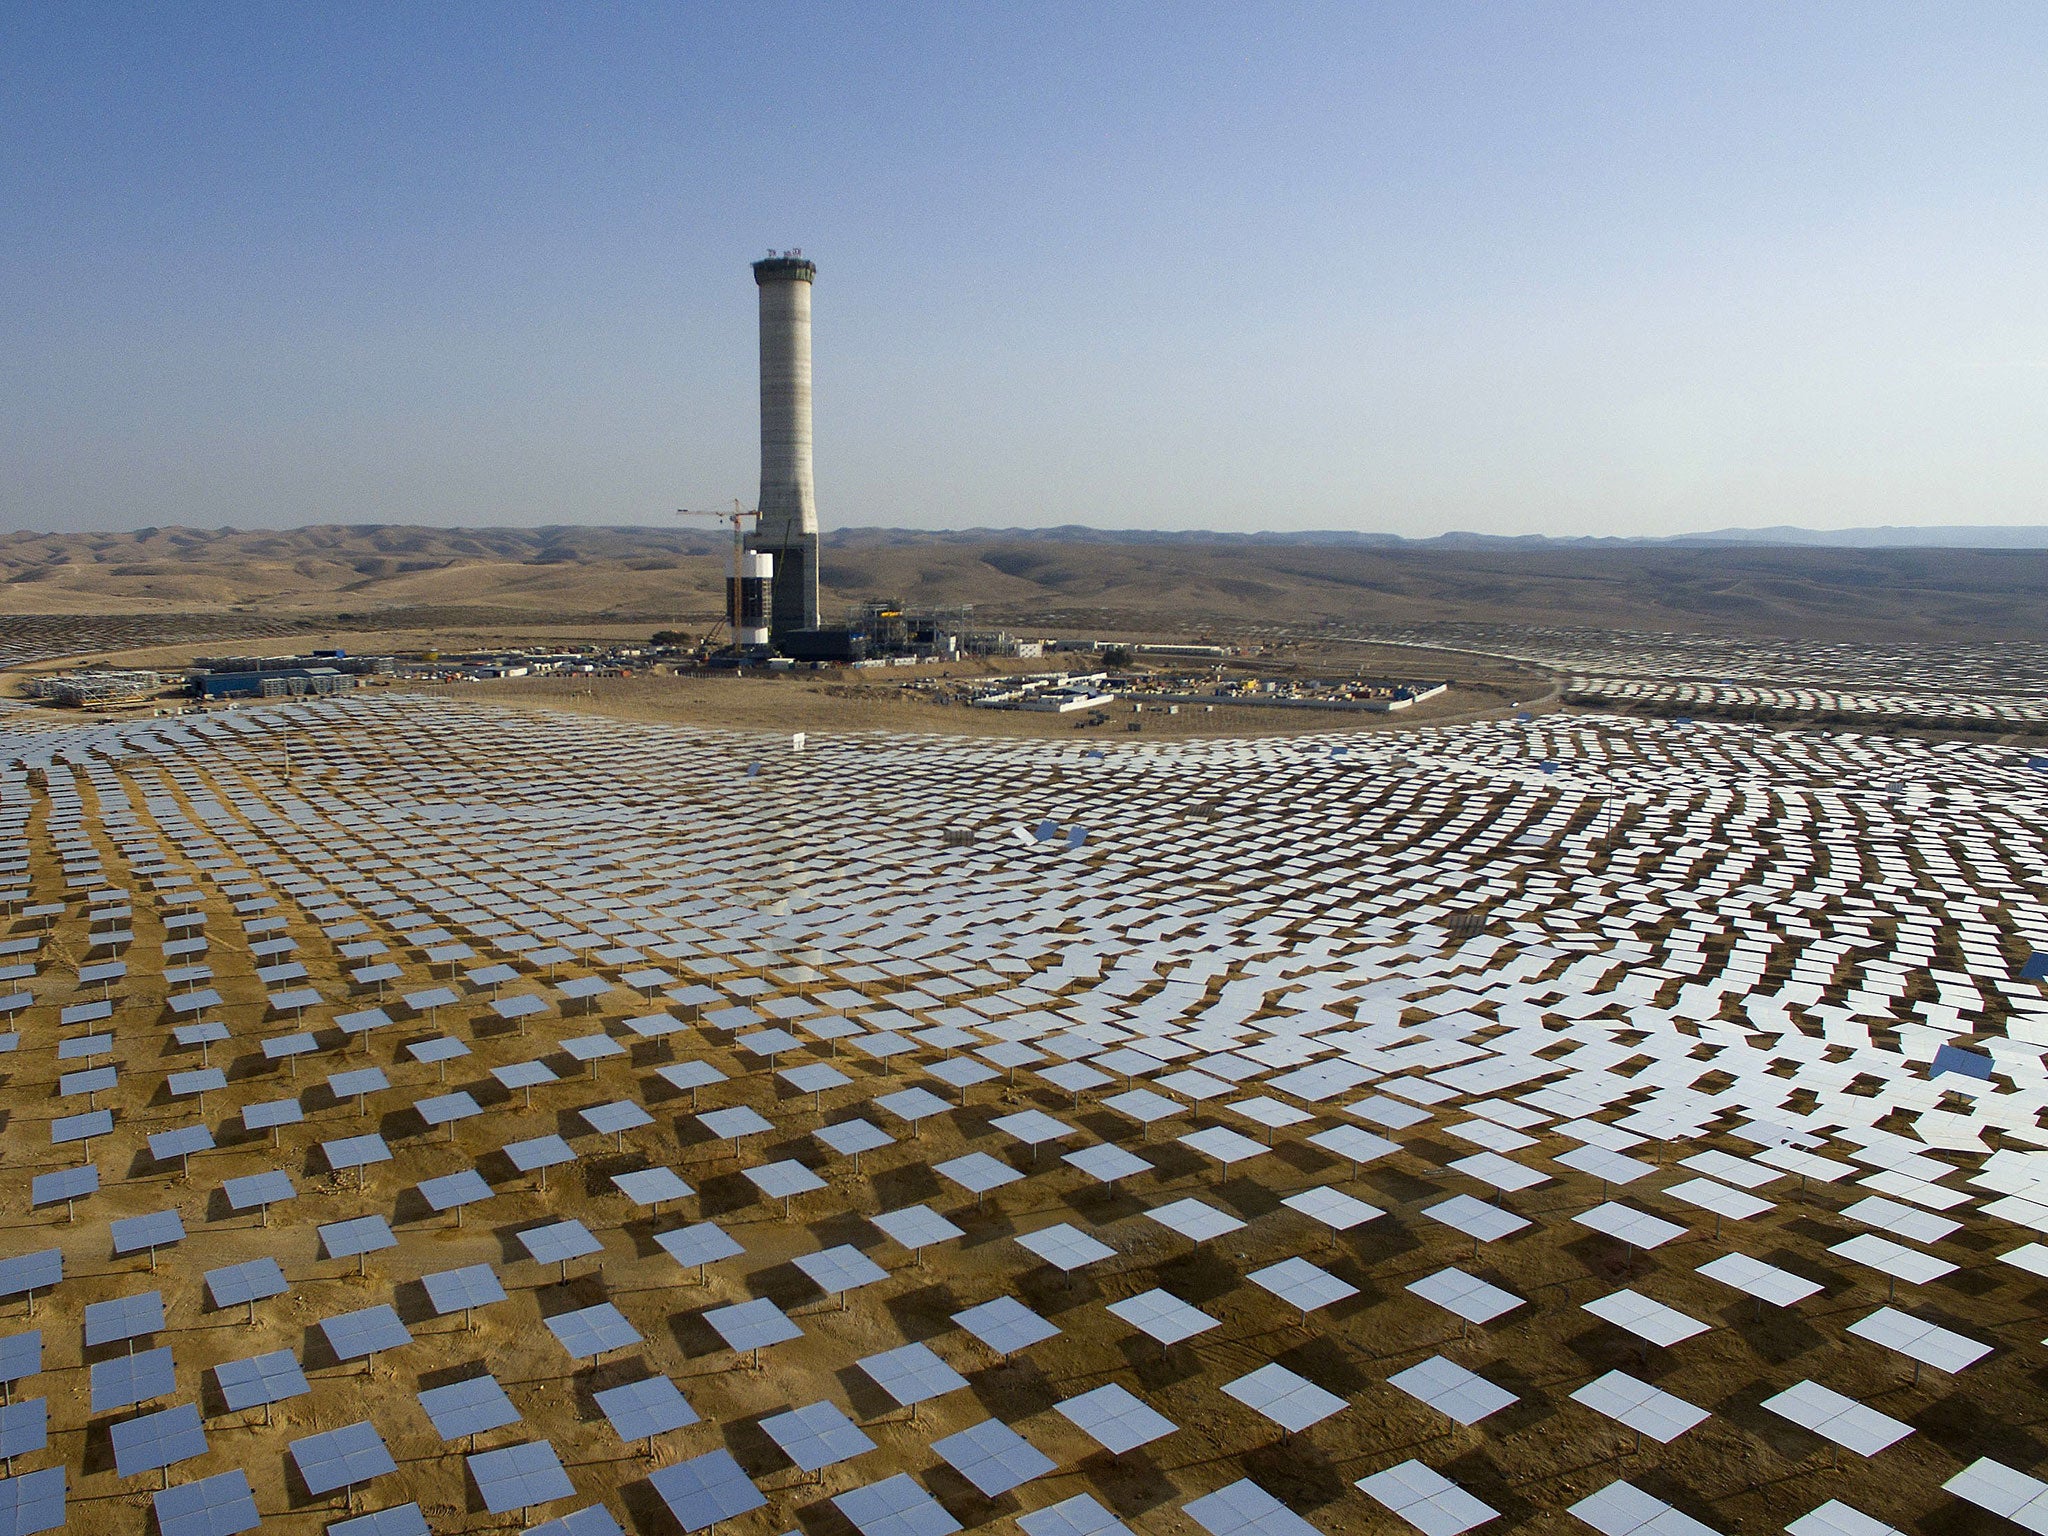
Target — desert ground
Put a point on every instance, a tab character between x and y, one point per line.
881	702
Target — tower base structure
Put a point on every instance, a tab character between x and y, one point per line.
793	591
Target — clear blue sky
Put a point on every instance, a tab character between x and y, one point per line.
1601	268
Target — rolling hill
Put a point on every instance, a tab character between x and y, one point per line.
1075	577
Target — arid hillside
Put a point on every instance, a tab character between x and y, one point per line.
1074	577
334	568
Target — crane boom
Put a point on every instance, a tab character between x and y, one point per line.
737	517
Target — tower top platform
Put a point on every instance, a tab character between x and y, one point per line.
787	268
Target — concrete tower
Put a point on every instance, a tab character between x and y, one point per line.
788	525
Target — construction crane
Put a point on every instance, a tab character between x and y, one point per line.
738	518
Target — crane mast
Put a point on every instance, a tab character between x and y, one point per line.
747	582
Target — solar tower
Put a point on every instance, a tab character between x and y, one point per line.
787	527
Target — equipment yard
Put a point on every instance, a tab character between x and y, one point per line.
505	1118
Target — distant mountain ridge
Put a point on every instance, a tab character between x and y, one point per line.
1053	578
568	541
1960	536
1946	537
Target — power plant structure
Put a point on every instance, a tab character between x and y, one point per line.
786	529
771	592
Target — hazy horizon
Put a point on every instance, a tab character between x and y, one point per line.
2009	537
1567	269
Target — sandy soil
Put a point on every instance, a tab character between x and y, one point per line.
370	642
844	700
808	704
